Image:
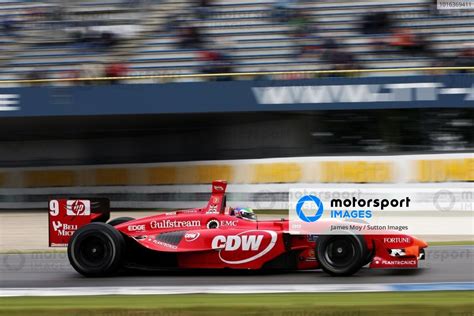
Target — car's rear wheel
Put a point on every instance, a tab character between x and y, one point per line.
120	220
96	250
341	255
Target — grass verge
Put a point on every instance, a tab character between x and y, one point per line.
410	303
451	243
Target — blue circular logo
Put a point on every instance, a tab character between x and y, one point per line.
318	204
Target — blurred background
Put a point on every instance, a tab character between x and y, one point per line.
146	102
160	124
93	38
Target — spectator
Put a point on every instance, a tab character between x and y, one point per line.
136	3
282	10
301	24
308	46
377	23
114	70
73	73
93	39
216	61
190	37
465	57
433	6
93	70
108	40
35	74
8	26
203	8
407	42
329	47
337	57
177	20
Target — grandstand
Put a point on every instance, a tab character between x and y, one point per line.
244	29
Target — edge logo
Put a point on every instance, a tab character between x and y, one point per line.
311	199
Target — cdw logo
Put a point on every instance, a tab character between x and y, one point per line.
245	246
243	242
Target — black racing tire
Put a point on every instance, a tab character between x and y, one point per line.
96	250
341	255
120	220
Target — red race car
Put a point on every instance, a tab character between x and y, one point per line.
213	237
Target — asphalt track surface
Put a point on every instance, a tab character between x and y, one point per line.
442	264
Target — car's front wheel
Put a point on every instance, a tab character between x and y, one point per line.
96	249
341	255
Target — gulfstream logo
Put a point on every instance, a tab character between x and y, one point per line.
395	92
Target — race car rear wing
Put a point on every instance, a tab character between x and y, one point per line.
67	215
217	201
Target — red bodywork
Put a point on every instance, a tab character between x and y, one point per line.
212	237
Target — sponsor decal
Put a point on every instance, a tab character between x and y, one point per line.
183	211
398	262
57	225
64	229
78	207
54	208
228	223
244	247
167	223
397	240
160	243
446	170
311	256
358	93
218	188
397	252
191	236
212	209
213	224
135	228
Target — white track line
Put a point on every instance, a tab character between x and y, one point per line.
235	289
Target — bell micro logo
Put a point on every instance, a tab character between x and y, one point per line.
57	225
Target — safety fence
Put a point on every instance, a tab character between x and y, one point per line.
307	92
254	181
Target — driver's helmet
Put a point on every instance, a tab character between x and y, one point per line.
245	213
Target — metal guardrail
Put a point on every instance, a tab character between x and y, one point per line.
236	74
